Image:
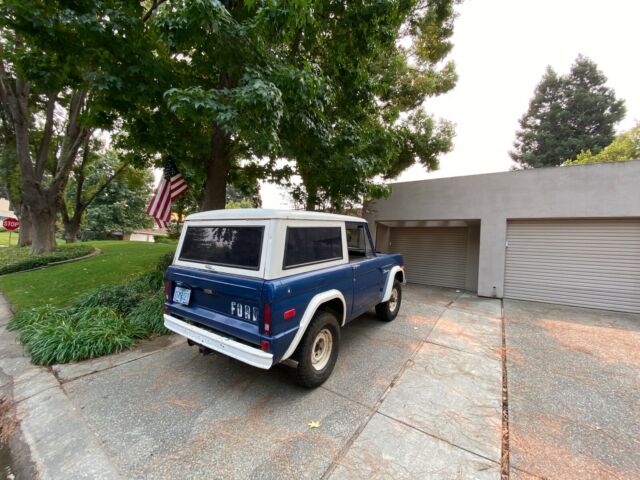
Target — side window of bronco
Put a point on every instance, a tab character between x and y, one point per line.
358	241
309	245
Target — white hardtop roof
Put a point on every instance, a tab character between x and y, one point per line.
268	214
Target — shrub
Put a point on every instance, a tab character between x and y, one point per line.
61	335
147	316
120	298
106	320
17	259
174	229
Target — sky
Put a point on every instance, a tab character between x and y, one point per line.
501	50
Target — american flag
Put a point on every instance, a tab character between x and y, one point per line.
171	186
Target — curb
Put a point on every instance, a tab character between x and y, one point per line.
51	440
95	253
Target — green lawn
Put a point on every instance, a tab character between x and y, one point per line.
60	285
4	238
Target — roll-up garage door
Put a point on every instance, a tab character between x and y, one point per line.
587	263
434	255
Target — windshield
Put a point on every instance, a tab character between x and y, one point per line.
230	246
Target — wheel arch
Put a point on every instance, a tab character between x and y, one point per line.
331	301
395	273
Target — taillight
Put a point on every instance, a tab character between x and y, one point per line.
167	294
264	345
167	290
266	318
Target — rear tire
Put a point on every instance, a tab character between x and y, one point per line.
388	311
318	351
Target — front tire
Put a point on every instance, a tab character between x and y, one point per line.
388	311
318	351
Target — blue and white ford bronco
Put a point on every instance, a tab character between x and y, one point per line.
268	286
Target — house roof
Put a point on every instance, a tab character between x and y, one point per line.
267	214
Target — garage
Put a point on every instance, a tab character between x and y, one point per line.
586	263
433	255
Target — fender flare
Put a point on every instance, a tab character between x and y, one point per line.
309	312
389	282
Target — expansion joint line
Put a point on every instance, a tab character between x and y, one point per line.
504	458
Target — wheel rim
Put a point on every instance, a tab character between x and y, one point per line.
322	348
393	301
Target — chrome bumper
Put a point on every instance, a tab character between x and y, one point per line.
231	348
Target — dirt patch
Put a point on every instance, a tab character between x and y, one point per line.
8	420
608	344
184	403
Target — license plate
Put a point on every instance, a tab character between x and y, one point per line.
182	295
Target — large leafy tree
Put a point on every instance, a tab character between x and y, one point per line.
65	68
121	205
90	177
568	114
625	146
321	83
10	177
364	116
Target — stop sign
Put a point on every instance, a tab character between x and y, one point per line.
11	223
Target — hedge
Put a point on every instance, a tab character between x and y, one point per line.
17	259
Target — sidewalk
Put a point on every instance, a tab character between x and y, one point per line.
52	440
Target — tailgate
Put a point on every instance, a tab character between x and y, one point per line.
227	303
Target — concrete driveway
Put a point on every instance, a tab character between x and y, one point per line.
574	392
419	397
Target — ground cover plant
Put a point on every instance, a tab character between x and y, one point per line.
17	259
106	320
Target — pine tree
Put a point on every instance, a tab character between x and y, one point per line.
567	115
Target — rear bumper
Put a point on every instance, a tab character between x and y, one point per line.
231	348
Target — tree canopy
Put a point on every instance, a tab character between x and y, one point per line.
122	203
66	69
568	114
336	89
625	146
331	92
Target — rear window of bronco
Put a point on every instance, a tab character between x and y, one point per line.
229	246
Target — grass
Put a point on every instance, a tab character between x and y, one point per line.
61	285
4	238
105	320
16	259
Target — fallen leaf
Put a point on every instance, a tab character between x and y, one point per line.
314	424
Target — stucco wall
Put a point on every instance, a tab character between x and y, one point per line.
588	191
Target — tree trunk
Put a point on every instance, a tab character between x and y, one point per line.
311	201
218	165
312	198
24	238
43	223
42	202
71	230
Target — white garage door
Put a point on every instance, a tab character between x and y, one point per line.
433	256
587	263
